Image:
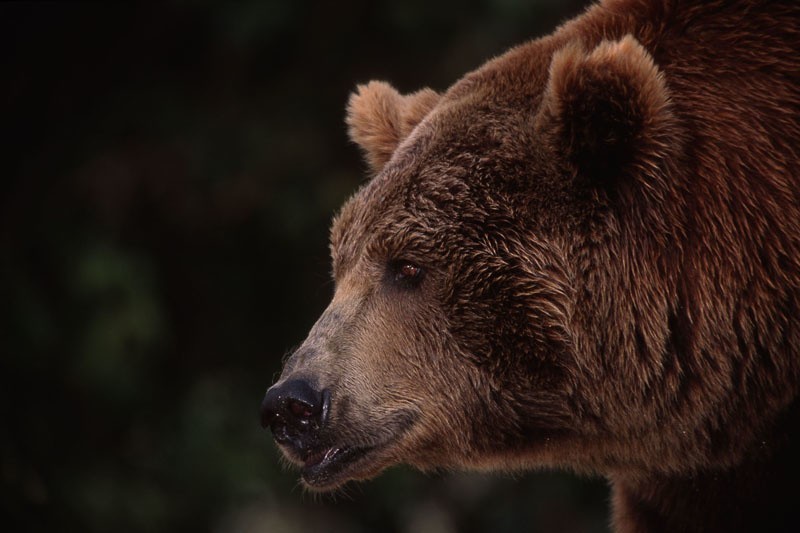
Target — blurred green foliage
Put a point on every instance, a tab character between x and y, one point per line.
171	171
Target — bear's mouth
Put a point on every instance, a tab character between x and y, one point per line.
329	467
325	465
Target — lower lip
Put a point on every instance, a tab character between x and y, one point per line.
318	472
320	457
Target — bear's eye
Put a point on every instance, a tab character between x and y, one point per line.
406	273
409	271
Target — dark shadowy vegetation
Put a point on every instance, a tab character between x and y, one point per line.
170	173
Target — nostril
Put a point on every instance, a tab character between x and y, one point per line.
326	406
300	409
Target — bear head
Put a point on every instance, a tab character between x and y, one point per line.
505	288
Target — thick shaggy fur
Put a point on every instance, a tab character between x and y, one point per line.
607	222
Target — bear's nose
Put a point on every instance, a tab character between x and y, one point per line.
294	405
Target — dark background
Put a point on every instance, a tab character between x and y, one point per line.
169	174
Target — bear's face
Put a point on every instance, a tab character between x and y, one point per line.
450	339
442	302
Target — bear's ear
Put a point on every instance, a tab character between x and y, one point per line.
608	108
379	118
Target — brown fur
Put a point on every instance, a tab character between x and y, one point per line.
608	225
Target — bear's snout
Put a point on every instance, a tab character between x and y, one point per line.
295	411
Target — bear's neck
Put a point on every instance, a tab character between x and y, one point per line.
759	494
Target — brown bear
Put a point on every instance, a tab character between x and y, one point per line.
584	255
